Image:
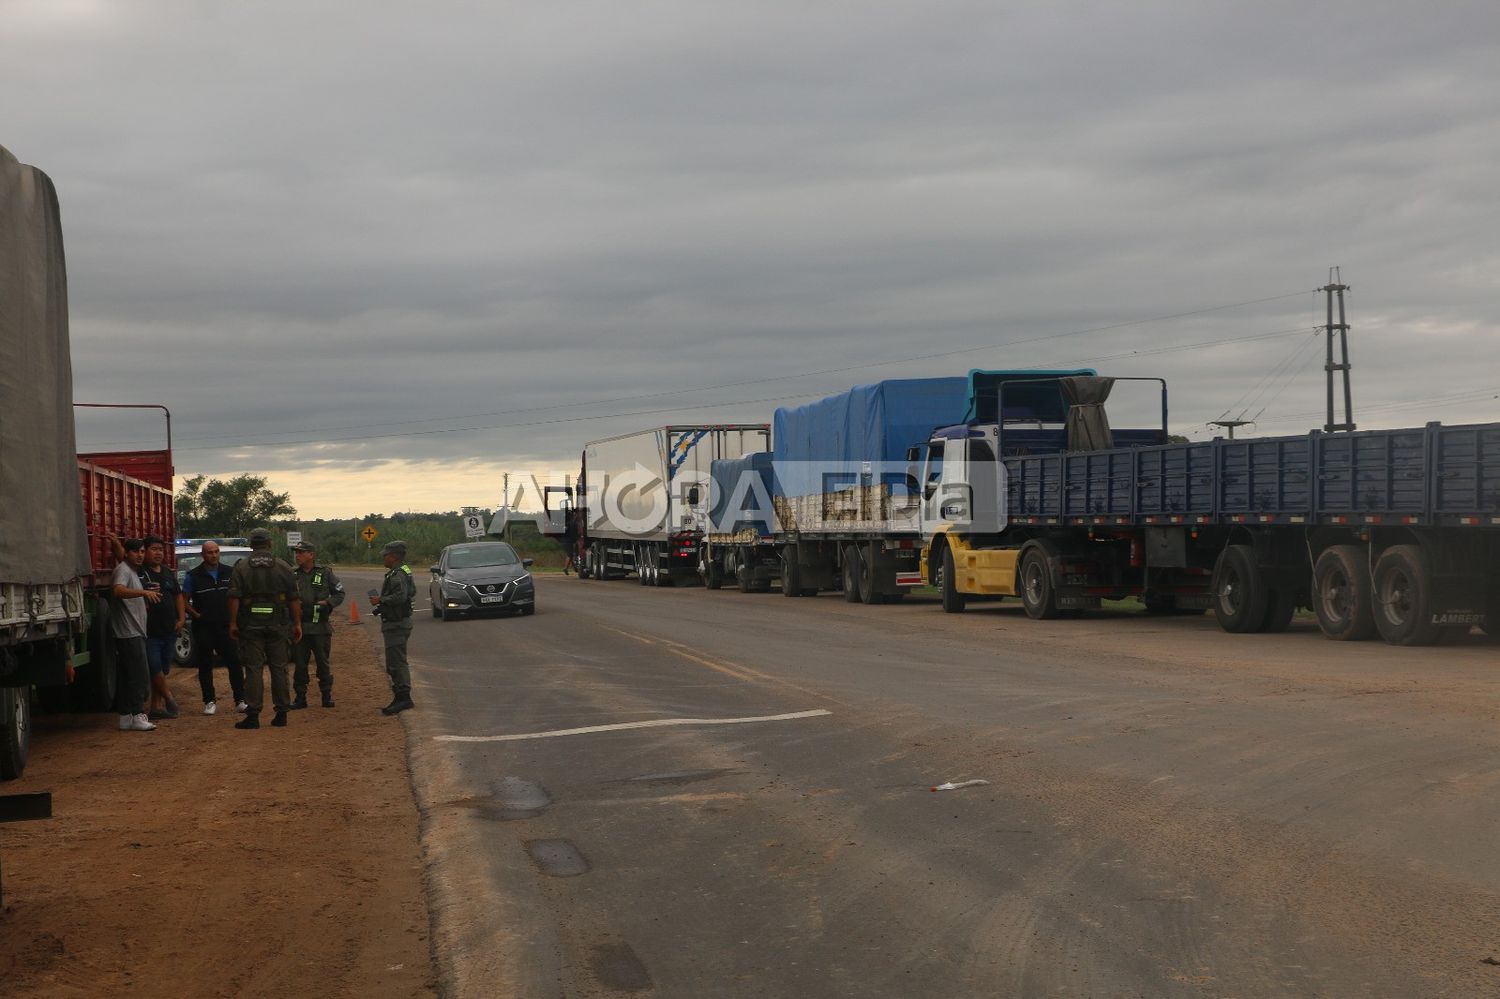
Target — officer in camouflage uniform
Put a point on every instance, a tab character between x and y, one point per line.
320	592
393	605
263	603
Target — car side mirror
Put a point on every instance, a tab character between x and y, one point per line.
437	570
526	563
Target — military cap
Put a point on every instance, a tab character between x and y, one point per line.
394	547
304	546
260	537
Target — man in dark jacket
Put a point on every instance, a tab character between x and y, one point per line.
205	599
262	602
321	592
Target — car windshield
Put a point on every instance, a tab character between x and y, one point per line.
475	556
187	561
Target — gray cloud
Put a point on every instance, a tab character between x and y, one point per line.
291	224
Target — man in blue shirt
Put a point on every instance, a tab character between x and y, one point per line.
205	598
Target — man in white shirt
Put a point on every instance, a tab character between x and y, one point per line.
127	622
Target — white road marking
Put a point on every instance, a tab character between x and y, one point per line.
655	723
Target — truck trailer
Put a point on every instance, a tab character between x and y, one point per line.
638	508
60	507
1395	532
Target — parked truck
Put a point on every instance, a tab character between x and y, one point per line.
638	508
1395	532
846	507
60	508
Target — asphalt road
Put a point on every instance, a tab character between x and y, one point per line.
1169	810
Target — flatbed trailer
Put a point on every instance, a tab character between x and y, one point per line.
1388	531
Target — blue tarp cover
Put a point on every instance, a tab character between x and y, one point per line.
874	423
749	482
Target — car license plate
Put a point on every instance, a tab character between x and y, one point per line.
498	598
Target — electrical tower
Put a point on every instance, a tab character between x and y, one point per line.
1334	287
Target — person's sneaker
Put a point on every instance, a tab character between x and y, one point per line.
327	700
249	721
172	709
299	703
125	722
140	723
210	708
280	720
241	707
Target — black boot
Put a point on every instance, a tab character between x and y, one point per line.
300	702
251	720
327	698
280	720
399	703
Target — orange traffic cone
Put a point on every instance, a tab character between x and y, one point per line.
354	612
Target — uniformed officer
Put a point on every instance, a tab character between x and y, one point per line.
320	592
393	604
263	601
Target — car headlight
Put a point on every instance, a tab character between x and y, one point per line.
524	577
451	587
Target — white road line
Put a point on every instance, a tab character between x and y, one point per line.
656	723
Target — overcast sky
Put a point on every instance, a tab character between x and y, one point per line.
499	230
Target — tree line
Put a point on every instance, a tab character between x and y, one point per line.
214	508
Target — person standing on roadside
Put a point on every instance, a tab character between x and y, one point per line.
262	602
393	604
127	622
205	598
164	619
320	591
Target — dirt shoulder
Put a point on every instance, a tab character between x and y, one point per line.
200	860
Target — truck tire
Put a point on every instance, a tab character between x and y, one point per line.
791	575
15	731
851	574
869	591
1341	593
742	576
642	570
1402	597
1281	607
708	570
1038	592
1241	596
954	602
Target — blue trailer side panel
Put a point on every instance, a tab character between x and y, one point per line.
740	495
867	423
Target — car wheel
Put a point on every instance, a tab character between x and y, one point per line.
182	649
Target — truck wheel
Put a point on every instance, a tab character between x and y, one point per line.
642	570
1403	597
1038	594
1240	591
954	602
708	570
791	578
868	588
1341	593
742	574
15	731
851	574
601	562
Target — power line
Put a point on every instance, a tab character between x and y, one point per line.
694	407
1042	338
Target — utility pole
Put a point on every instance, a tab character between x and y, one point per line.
1231	424
1334	287
506	507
